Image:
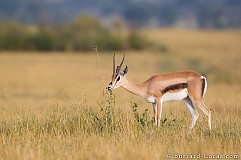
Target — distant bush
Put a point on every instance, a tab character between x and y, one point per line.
107	41
42	41
80	35
136	41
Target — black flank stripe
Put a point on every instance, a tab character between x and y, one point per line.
174	87
203	85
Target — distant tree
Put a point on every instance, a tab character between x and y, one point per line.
86	23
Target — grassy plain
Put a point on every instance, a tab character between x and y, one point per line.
54	106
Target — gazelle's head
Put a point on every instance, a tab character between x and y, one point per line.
117	76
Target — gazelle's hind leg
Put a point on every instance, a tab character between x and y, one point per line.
197	89
204	108
187	101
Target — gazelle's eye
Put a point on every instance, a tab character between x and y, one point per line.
118	78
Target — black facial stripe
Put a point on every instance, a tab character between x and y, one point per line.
118	78
174	87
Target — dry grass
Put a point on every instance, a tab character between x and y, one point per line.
54	106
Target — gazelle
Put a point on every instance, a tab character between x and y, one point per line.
188	86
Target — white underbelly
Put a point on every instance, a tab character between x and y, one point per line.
150	99
175	96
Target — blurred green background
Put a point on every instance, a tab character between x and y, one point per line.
71	25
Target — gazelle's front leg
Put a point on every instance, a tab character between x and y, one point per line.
159	110
155	112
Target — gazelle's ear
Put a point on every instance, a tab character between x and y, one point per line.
125	70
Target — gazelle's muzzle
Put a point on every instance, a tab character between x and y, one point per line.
110	86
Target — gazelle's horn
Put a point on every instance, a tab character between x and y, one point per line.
118	68
122	60
114	64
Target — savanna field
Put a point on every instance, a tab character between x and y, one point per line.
55	106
